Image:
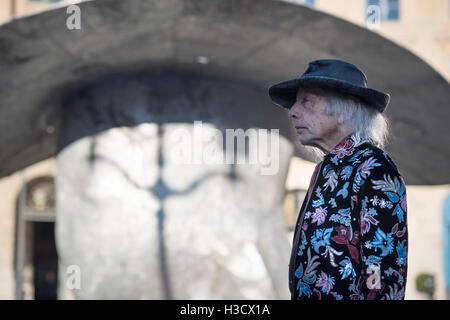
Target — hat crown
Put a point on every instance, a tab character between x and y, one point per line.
336	69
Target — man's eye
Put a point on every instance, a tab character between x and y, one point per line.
307	102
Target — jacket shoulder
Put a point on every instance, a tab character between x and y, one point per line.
384	159
374	164
371	152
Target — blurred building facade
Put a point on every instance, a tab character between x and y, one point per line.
422	27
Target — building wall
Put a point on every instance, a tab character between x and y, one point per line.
351	10
5	11
10	9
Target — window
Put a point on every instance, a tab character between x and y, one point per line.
389	9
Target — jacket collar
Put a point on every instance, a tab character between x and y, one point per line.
347	146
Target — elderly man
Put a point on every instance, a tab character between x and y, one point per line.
351	238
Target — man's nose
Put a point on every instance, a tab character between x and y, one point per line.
293	111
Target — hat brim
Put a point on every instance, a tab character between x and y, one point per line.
284	93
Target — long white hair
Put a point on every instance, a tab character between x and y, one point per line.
355	115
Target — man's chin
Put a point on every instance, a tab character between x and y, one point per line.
307	142
304	140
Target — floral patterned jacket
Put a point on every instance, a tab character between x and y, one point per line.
351	237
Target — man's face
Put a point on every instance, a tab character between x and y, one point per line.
309	119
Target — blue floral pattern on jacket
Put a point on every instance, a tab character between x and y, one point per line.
351	238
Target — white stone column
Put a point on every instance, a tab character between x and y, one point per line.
141	222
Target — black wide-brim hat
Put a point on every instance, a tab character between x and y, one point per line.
330	74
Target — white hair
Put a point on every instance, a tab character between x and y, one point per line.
356	116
